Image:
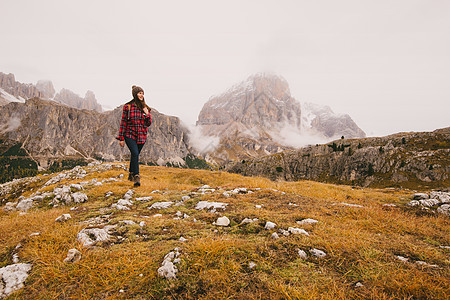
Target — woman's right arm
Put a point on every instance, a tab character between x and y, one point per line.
123	126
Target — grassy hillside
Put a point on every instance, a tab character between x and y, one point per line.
362	241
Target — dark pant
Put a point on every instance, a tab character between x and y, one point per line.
135	149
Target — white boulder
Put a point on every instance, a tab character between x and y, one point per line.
12	278
270	225
223	221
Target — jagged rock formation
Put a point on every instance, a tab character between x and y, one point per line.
46	88
321	119
71	99
403	159
11	90
259	117
49	131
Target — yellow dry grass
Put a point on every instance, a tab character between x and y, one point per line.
361	243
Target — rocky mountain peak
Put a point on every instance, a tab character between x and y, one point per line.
69	98
46	88
260	101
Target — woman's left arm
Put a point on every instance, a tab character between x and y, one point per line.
147	117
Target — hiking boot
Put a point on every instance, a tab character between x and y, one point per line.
137	180
131	176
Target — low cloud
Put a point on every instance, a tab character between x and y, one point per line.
200	142
292	136
11	125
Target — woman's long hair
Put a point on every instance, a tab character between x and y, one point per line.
139	104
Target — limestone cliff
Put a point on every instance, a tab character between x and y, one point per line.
12	90
399	160
71	99
50	131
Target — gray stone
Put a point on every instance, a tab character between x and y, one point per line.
317	253
444	209
161	205
63	218
429	202
420	196
302	254
270	225
295	230
120	207
210	205
307	222
124	202
12	278
25	205
73	256
223	221
89	237
79	197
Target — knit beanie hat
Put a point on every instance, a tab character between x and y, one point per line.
135	90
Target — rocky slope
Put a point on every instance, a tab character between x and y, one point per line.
196	234
259	116
13	91
49	131
404	159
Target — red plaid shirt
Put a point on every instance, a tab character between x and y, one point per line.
134	124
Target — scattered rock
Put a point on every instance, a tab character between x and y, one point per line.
248	221
120	207
302	254
403	259
25	205
351	205
128	222
359	284
425	264
128	195
144	199
73	256
185	198
89	237
258	206
420	196
295	230
444	209
275	236
12	278
124	202
77	187
307	222
270	225
317	253
251	265
182	239
79	197
210	205
223	221
161	205
168	269
63	218
429	202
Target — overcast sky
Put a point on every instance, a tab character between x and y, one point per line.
384	62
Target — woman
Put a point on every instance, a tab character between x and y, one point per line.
133	130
